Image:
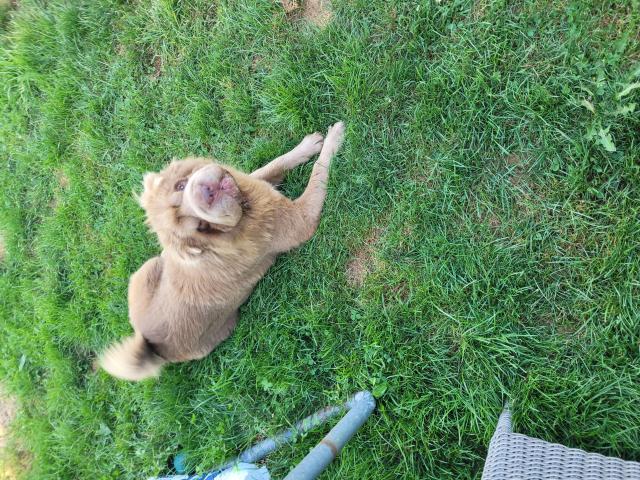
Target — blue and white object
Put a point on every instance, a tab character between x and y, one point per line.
358	409
240	471
245	471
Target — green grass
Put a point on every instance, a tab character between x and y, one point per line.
498	232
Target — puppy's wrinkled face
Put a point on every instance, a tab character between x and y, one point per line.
191	197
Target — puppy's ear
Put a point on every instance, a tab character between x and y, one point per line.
151	181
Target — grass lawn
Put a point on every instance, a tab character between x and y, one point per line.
479	240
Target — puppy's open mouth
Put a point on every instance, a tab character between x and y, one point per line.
205	227
210	228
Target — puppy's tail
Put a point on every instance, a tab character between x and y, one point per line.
132	359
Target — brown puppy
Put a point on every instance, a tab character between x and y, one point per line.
220	230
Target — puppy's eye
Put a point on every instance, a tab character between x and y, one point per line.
180	185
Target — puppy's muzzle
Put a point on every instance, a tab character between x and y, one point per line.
213	195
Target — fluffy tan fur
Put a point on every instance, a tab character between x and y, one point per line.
220	230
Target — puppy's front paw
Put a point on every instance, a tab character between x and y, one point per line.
311	144
334	138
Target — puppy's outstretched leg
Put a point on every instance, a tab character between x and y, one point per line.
273	172
301	219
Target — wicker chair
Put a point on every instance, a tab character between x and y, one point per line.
515	456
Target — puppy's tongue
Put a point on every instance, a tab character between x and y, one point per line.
226	182
228	185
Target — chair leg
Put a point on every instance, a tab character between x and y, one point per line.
504	422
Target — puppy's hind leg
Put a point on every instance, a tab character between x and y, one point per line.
273	172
